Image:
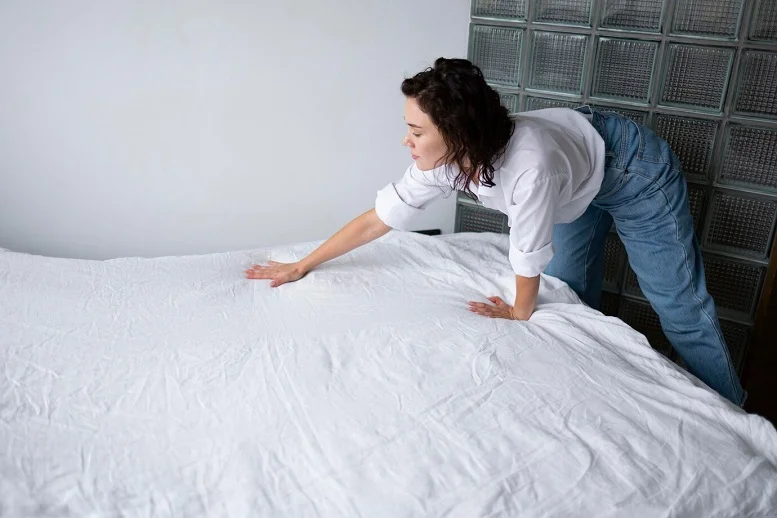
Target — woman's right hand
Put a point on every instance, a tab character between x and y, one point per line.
358	232
278	273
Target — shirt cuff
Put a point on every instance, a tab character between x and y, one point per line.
392	210
530	264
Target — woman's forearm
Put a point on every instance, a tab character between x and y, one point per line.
358	232
526	290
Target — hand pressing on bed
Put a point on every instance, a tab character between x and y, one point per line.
500	309
278	273
360	231
526	289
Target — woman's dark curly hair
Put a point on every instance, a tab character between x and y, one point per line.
472	121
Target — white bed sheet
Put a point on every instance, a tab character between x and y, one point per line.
174	387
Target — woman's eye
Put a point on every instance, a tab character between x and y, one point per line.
416	134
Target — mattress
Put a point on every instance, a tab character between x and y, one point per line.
173	386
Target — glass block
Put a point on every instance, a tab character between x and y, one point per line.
764	23
570	12
497	51
509	101
609	304
624	68
507	9
696	76
750	157
708	17
642	15
692	140
737	336
470	218
734	285
637	116
614	259
757	87
741	225
643	319
697	195
539	103
557	62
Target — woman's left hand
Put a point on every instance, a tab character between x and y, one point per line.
500	310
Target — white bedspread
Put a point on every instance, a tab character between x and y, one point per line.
174	387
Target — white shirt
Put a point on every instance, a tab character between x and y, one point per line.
551	171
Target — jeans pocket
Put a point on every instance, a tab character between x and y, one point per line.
652	148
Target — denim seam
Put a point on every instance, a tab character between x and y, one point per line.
722	340
588	250
624	138
653	160
596	118
599	124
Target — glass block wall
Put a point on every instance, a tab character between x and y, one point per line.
703	75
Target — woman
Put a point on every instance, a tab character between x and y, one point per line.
561	176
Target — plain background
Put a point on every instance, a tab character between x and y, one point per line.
170	127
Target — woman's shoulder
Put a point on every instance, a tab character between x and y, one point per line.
549	119
551	114
530	143
539	134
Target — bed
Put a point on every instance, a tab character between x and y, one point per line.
174	387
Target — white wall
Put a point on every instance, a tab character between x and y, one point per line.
161	127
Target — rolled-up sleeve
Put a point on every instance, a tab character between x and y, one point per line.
531	216
398	203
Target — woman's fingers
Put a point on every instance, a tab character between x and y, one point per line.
479	311
267	273
269	265
482	309
278	273
279	279
260	272
487	310
277	282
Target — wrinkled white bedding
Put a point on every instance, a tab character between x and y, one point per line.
174	387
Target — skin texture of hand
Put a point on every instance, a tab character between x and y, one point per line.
500	309
526	289
360	231
277	273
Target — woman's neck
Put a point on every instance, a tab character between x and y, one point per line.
476	178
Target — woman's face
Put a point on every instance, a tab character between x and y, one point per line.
426	145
